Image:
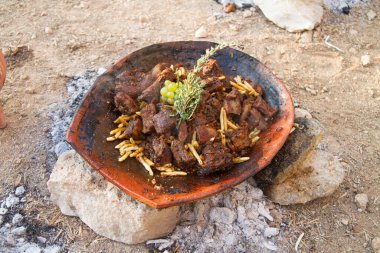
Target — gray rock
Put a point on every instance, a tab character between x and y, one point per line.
292	15
11	201
306	37
376	244
19	231
303	171
270	232
80	191
20	190
361	200
1	219
302	113
17	218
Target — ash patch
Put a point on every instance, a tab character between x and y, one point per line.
238	220
343	6
62	113
20	233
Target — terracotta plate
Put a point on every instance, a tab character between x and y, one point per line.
93	121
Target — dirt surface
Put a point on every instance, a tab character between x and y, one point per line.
59	39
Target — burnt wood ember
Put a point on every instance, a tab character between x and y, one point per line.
147	114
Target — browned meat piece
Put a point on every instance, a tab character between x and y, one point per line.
134	82
239	139
125	104
256	120
182	158
216	157
129	83
163	122
205	133
162	154
264	108
247	105
214	85
211	68
147	114
134	128
232	102
183	132
152	93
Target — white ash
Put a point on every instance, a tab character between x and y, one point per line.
63	112
17	232
232	221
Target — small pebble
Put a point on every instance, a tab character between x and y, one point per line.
41	239
201	33
17	218
371	15
344	221
230	7
247	13
48	30
302	113
376	244
20	190
366	60
19	231
1	219
361	201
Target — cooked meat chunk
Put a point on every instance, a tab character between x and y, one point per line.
125	104
162	154
183	132
147	114
152	93
134	129
232	102
239	139
211	68
163	122
216	157
256	120
130	83
214	85
264	108
246	110
133	83
182	158
205	133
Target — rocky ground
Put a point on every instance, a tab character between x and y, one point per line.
48	42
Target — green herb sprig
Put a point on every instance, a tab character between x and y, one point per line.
189	94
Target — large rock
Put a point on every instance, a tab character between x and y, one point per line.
80	191
306	168
292	15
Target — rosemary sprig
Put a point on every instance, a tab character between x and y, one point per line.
189	94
